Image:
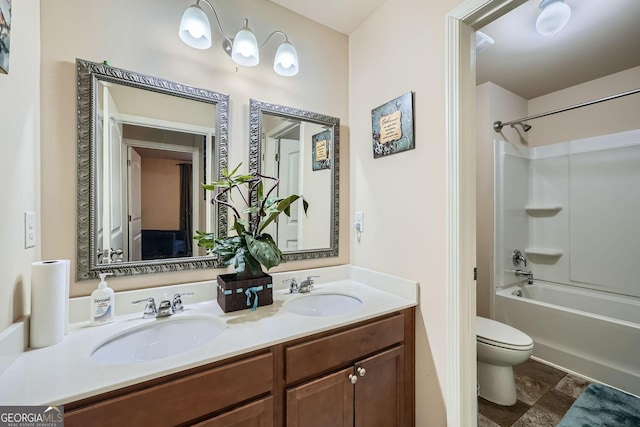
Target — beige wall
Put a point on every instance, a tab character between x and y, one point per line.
142	36
401	48
160	194
613	116
20	159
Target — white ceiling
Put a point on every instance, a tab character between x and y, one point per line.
343	16
602	37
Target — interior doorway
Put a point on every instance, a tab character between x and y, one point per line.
461	205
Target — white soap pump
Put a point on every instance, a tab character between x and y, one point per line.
102	303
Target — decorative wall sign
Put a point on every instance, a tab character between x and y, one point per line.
392	126
5	31
321	150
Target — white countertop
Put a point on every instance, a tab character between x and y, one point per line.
63	373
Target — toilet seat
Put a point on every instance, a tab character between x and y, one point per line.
499	334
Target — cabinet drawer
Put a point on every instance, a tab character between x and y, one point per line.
254	414
319	355
183	399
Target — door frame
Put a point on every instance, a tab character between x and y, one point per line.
460	78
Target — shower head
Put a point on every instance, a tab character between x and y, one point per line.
525	127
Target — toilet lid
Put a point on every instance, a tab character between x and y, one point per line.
492	332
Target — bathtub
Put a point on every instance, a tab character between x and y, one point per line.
591	333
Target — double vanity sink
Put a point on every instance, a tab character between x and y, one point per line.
91	361
170	336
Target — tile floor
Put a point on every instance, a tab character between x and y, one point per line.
544	395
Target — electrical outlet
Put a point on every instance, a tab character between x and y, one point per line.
359	221
29	229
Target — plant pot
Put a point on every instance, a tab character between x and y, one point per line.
234	295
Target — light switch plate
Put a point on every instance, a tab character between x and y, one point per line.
359	221
29	229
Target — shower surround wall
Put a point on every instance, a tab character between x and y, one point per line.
572	208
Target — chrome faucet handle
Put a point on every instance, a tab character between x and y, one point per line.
176	303
517	258
293	287
116	255
149	309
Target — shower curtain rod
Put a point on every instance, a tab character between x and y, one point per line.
498	125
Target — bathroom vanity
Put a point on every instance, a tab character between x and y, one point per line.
363	371
268	367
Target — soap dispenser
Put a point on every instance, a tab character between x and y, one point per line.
102	303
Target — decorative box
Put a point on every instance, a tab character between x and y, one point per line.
234	295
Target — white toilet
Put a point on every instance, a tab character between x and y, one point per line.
499	347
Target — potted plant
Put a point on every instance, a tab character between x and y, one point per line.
251	248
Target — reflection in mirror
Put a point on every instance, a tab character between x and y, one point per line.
144	146
301	149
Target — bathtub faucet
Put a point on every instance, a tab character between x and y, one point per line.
523	273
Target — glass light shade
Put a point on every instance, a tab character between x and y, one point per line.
195	29
286	60
553	18
245	48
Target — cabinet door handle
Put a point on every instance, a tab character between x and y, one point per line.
361	371
353	378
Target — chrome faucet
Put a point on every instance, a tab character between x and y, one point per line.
304	287
523	273
307	285
166	307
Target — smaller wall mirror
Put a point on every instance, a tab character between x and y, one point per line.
301	149
144	147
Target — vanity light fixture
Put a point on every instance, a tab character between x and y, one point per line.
554	16
195	31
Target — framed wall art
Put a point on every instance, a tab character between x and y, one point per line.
392	126
321	150
5	32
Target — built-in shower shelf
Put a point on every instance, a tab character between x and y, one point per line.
542	210
548	252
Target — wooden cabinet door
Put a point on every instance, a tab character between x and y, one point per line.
255	414
327	401
379	392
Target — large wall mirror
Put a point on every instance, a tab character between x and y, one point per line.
145	145
301	149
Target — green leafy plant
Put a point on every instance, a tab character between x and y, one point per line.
251	247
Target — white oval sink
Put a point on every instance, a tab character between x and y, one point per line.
323	305
162	338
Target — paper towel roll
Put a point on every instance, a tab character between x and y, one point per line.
48	284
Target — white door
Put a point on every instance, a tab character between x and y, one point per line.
134	163
116	198
289	174
110	203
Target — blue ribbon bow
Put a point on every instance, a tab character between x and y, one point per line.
255	291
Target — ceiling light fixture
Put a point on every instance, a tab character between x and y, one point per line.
195	31
554	16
